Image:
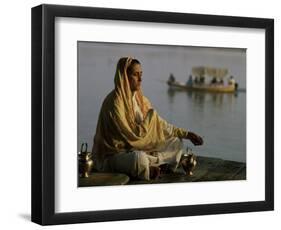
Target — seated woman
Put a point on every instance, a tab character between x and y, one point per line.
131	137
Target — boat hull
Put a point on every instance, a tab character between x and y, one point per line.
206	88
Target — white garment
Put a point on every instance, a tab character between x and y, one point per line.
137	163
137	110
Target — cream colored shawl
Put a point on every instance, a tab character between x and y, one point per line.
117	129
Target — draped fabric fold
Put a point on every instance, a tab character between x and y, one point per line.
117	129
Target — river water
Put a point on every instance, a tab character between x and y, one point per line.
219	118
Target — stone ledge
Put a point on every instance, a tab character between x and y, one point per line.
103	179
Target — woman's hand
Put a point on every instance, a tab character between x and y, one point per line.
194	138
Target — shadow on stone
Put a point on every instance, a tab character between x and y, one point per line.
207	169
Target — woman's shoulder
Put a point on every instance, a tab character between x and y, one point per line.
147	102
107	100
110	102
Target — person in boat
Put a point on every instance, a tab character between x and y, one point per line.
214	80
172	79
196	80
221	82
231	81
189	81
131	137
202	79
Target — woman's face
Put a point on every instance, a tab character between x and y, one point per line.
135	77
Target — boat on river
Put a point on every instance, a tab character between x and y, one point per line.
206	79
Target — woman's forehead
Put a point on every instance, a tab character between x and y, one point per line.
137	68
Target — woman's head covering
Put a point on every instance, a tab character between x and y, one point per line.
122	87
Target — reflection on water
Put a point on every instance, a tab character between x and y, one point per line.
219	117
201	97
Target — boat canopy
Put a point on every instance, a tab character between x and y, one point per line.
202	71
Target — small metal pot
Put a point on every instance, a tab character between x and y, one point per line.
85	161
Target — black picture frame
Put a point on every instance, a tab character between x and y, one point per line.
43	114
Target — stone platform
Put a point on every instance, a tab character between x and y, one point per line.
207	169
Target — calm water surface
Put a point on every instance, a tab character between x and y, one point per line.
219	118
